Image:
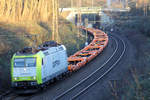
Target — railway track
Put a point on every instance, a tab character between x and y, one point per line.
111	57
115	50
8	95
93	78
14	96
3	94
83	86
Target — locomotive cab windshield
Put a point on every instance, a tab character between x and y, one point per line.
25	62
24	71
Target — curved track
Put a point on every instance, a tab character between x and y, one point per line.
79	88
97	75
109	68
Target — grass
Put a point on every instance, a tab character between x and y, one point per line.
137	87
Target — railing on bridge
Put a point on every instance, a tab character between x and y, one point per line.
93	9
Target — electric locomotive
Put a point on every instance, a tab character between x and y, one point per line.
34	67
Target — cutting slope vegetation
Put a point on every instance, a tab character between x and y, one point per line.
134	25
24	21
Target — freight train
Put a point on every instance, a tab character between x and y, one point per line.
37	67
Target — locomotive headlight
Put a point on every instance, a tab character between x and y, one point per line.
34	77
15	78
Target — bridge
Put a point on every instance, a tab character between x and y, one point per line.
70	13
87	10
